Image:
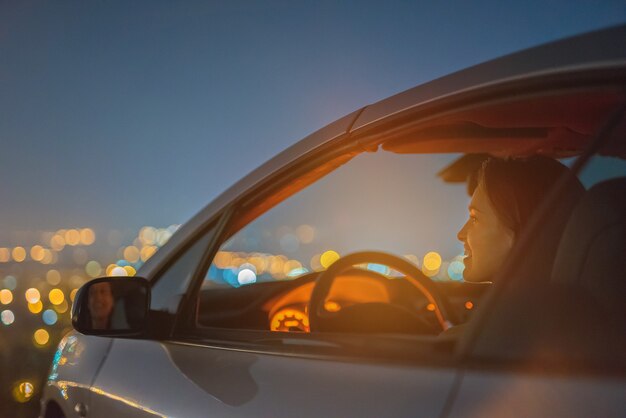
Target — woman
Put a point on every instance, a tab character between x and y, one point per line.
507	194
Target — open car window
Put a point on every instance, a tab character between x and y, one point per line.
262	276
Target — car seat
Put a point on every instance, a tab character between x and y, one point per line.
592	251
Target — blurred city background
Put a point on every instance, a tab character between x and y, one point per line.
120	120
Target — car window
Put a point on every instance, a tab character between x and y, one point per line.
379	201
171	285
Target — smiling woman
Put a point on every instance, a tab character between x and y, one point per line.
508	193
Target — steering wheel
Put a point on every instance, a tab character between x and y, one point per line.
319	316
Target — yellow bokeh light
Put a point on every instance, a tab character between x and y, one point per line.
32	295
147	252
23	391
431	307
41	337
87	236
5	255
93	268
56	296
73	294
222	259
35	307
328	258
19	254
37	252
109	269
72	237
131	253
432	261
57	243
6	296
130	271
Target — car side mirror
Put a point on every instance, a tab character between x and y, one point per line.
112	306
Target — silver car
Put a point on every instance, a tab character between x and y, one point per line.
329	281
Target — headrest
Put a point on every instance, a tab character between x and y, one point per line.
593	246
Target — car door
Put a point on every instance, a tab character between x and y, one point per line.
223	367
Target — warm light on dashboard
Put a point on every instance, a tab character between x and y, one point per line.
287	320
331	306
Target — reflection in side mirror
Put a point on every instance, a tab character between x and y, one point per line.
112	306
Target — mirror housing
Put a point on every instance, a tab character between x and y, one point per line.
112	306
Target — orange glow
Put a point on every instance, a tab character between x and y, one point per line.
23	391
41	337
130	271
87	236
259	263
431	307
109	269
286	320
35	307
147	235
131	253
57	243
223	259
469	305
32	295
331	306
432	261
72	237
19	254
56	296
73	294
6	296
37	252
147	252
5	255
48	257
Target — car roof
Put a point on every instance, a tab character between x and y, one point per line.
600	50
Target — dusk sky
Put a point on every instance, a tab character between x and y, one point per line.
119	114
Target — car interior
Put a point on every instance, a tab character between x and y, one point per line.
580	244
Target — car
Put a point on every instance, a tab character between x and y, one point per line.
328	281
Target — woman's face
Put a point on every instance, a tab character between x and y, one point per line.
486	240
100	301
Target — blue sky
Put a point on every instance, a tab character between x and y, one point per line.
120	114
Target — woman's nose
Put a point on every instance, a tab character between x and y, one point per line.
462	234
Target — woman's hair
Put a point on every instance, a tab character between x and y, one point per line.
516	187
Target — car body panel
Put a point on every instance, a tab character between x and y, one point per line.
490	394
197	381
74	367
